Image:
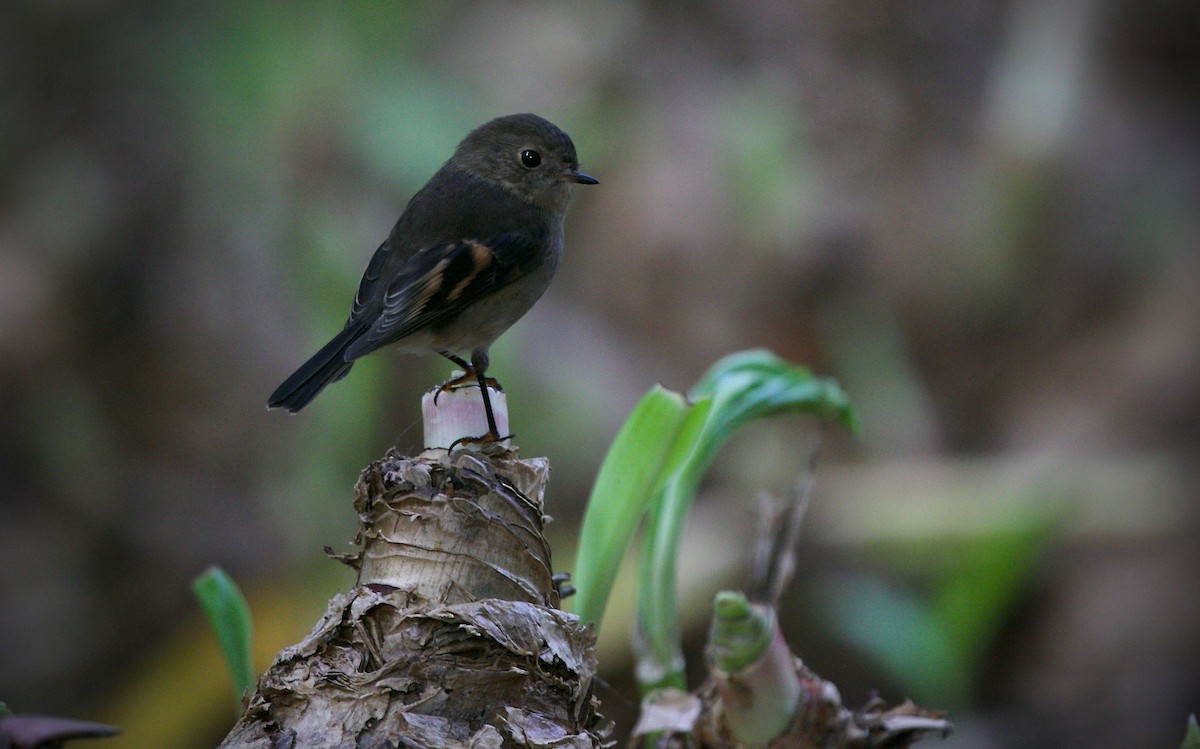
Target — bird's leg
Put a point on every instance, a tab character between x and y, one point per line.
466	365
479	363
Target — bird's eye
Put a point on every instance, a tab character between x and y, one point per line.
530	158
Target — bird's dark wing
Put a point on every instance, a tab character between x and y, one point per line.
438	282
370	280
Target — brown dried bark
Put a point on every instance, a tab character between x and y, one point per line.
452	637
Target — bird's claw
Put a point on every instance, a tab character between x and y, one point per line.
466	379
486	439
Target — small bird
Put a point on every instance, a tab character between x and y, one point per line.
471	253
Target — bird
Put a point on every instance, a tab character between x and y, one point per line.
471	253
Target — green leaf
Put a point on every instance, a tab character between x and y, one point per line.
657	636
654	468
623	487
758	383
229	617
741	387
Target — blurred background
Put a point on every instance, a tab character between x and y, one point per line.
980	217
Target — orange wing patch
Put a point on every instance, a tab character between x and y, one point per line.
481	260
430	284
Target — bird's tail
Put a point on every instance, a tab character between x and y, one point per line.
326	366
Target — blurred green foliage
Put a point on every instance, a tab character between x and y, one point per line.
934	643
1191	739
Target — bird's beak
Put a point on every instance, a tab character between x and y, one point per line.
579	178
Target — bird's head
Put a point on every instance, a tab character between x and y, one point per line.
527	155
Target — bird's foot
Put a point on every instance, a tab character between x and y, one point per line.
486	439
466	379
